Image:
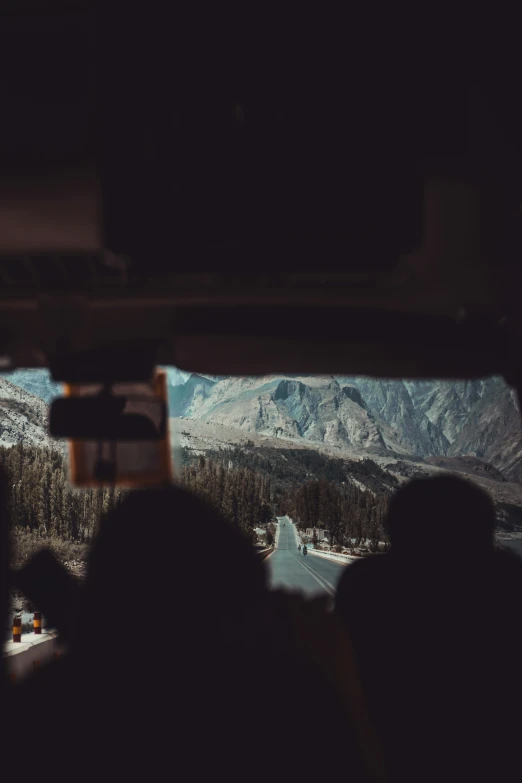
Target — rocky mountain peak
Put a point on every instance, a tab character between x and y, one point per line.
443	419
354	394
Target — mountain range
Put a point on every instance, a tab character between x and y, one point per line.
356	416
478	418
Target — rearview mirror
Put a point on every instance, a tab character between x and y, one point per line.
109	418
118	436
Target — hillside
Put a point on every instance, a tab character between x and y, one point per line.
409	418
348	417
492	430
287	467
470	465
37	382
23	417
316	409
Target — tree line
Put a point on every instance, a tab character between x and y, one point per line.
349	514
42	501
242	495
290	465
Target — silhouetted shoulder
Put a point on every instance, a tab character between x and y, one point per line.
366	568
361	586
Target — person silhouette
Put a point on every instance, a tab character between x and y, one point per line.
168	638
431	632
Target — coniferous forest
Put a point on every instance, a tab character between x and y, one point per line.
248	487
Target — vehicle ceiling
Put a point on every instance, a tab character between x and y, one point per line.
298	197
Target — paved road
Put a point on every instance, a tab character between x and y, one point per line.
290	570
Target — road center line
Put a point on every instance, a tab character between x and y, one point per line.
327	587
325	580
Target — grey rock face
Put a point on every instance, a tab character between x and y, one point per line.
317	409
479	418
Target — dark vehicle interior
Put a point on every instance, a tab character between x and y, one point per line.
238	195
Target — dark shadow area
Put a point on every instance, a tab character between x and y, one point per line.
181	660
435	627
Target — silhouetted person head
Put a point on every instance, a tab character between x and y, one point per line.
441	515
181	656
166	559
433	631
173	619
